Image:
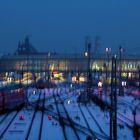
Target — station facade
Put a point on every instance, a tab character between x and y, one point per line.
27	59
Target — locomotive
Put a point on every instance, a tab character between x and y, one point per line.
11	97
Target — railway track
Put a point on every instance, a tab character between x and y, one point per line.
61	116
80	128
69	119
40	106
60	119
10	121
84	130
87	124
4	117
96	122
32	120
42	117
131	105
124	119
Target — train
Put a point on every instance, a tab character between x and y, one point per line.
11	97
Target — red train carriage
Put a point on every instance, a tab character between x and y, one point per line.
11	97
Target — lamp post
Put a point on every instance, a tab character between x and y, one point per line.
113	98
107	50
89	75
120	70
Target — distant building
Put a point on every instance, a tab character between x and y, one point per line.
27	58
25	47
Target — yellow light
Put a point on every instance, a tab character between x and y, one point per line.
56	75
129	74
81	79
124	74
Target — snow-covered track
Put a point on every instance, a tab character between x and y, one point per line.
33	118
3	132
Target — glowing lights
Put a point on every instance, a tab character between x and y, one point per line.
100	84
51	67
124	74
74	79
82	79
123	83
69	101
57	76
129	74
79	79
100	89
9	79
107	49
86	54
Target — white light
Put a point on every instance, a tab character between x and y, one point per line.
68	101
100	84
86	54
123	83
106	49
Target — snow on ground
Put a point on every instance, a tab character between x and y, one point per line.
18	128
6	121
52	129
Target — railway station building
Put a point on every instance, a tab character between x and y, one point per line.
72	67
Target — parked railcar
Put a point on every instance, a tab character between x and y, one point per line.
11	97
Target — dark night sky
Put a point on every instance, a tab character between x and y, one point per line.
61	25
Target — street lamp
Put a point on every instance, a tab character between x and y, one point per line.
107	50
86	97
86	53
120	70
89	76
113	98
